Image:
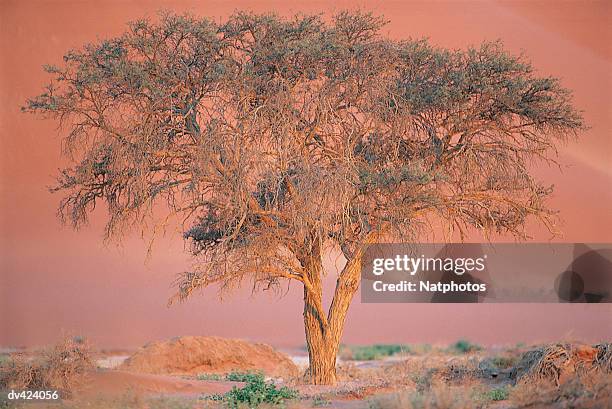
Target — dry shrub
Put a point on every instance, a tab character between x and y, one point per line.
57	368
570	375
461	371
418	373
424	374
603	359
555	363
592	391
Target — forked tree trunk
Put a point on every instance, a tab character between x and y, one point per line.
323	332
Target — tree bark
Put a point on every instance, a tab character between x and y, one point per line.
322	348
323	333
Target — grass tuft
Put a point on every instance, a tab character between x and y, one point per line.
498	394
373	352
464	346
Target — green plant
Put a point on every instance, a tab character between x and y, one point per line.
498	394
256	392
248	376
376	351
464	346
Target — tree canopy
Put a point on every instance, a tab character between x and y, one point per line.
275	138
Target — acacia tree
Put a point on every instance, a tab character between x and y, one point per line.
279	140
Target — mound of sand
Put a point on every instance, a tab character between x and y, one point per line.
195	355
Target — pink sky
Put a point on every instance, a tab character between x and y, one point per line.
55	280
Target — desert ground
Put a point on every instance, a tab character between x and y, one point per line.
212	372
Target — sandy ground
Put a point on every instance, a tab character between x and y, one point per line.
115	383
435	377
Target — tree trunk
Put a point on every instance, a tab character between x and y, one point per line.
324	332
322	348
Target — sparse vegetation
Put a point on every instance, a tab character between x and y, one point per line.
234	376
434	381
464	346
60	367
503	362
550	363
249	376
594	391
372	352
497	394
255	393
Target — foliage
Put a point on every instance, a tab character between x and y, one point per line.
234	376
256	392
463	346
376	351
498	394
